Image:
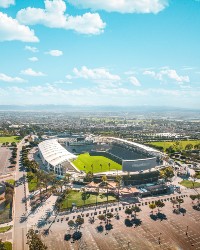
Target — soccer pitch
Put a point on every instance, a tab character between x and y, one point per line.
100	163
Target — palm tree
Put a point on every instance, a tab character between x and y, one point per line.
105	181
179	202
92	168
152	206
118	185
174	202
101	167
97	194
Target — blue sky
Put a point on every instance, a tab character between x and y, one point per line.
116	52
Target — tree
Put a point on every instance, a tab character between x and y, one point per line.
79	220
136	210
104	179
97	194
2	245
152	206
128	211
189	146
197	146
71	223
118	185
159	204
174	202
180	201
34	242
101	217
84	195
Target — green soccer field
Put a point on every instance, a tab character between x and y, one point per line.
10	139
84	162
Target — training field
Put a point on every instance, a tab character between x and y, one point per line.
10	139
84	162
167	144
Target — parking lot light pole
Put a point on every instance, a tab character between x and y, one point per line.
186	233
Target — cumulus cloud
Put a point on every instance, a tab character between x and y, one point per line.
9	79
6	3
11	29
96	74
53	16
54	53
133	80
33	59
169	73
31	72
123	6
32	49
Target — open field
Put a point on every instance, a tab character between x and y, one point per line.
10	139
189	184
167	144
76	197
84	162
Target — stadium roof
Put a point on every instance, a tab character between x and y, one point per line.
146	148
54	153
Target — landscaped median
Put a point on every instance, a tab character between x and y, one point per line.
5	229
190	184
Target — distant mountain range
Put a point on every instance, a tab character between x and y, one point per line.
68	108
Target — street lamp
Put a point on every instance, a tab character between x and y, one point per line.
186	233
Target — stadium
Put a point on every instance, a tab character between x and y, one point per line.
107	154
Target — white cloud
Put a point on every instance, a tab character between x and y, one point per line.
133	80
33	59
123	6
11	29
97	74
31	72
169	73
9	79
6	3
54	16
55	52
32	49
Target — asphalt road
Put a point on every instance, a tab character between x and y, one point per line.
20	229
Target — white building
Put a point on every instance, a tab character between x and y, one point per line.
55	157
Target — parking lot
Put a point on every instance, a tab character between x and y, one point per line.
5	155
172	231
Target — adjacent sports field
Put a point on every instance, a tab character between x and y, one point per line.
167	144
10	139
76	197
100	163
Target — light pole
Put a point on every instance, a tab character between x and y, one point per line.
186	233
159	240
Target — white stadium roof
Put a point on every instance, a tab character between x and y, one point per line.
146	148
54	153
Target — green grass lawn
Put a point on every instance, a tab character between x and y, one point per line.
8	245
5	214
11	181
32	182
76	197
5	229
84	162
10	139
167	144
189	184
